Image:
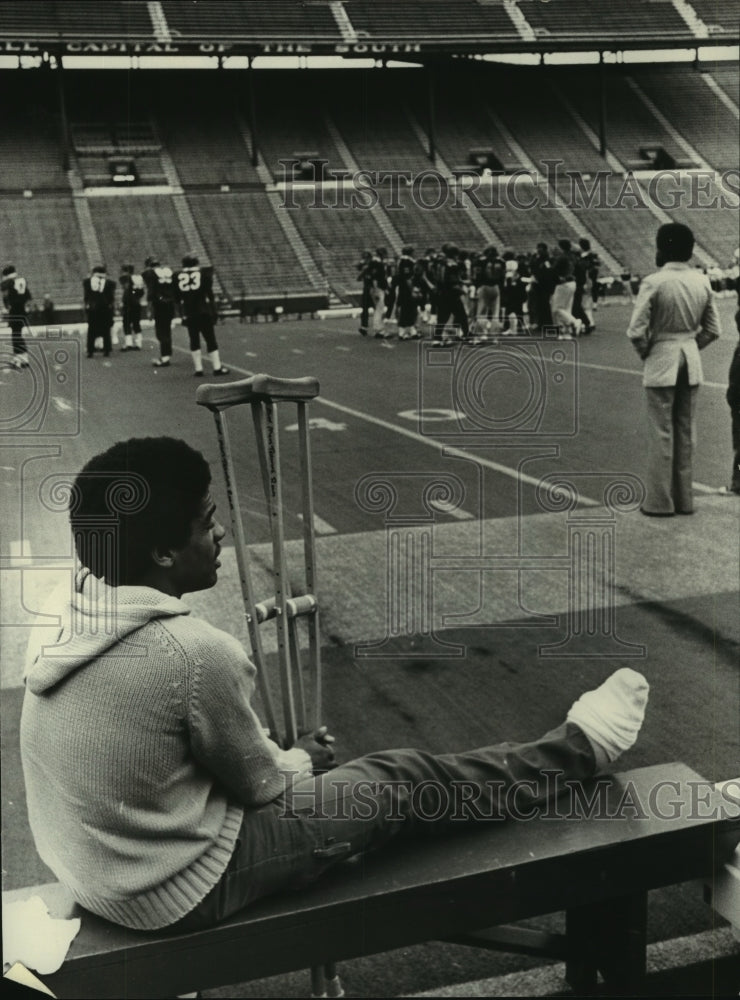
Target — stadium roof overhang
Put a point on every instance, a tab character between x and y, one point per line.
379	47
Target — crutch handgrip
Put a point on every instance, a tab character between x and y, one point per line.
306	604
265	610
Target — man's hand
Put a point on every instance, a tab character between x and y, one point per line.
319	746
642	346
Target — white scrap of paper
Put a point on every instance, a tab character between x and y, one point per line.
35	939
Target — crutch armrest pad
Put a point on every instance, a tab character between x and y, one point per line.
291	389
257	387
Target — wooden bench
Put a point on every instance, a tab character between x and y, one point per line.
653	827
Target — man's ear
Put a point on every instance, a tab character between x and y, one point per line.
163	558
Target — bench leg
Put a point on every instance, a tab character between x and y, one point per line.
610	938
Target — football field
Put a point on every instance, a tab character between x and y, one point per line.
481	555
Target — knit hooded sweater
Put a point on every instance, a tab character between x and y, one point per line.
140	752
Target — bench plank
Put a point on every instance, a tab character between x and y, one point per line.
420	891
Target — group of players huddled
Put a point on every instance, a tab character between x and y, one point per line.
187	291
483	293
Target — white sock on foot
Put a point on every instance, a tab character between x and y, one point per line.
611	715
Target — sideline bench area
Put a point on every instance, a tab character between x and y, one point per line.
596	859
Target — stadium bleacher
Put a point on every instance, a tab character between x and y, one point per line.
261	19
463	124
72	19
370	115
247	244
720	16
631	127
330	238
41	236
691	107
197	121
728	78
381	19
520	100
586	18
127	235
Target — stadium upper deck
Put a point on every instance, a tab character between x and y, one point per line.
360	26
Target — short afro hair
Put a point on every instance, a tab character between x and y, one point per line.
137	496
675	241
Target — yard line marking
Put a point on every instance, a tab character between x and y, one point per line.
620	371
455	512
320	526
505	470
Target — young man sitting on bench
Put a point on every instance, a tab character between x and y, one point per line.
154	794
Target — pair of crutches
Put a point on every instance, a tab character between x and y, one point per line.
301	696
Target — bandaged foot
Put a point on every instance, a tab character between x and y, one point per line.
611	715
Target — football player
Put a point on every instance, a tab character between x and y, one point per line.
132	289
16	296
194	290
160	288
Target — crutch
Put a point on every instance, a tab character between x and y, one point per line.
263	393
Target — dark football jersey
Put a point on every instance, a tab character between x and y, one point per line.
160	285
194	287
132	286
378	272
15	294
100	293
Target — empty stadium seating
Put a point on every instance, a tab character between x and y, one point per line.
247	244
334	235
415	19
631	127
197	121
261	19
528	106
728	77
691	107
600	20
709	210
69	18
290	119
720	16
31	151
129	229
462	123
622	223
41	237
368	109
523	215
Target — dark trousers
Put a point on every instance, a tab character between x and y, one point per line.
17	325
735	482
164	313
99	325
451	305
392	795
365	304
131	318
